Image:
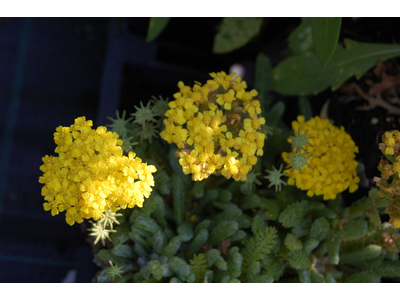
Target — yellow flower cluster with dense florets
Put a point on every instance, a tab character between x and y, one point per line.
91	174
332	167
216	126
389	182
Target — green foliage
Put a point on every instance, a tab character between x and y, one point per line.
181	269
319	229
274	176
325	34
300	41
220	230
198	189
294	214
234	33
114	270
299	260
292	243
363	254
274	115
297	74
154	267
122	251
185	231
125	130
316	276
305	108
178	190
333	251
364	277
198	241
259	245
304	276
354	230
263	81
156	26
214	257
198	265
173	246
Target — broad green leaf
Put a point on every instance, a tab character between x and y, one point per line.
156	26
325	34
304	74
234	33
300	40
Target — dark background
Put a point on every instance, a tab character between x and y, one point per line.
53	70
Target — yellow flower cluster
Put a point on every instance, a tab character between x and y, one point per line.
332	167
389	183
216	126
91	174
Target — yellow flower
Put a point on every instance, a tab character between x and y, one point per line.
208	120
389	141
253	106
239	86
395	223
226	99
332	167
91	175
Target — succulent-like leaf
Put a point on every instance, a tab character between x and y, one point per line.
181	268
319	229
274	115
294	214
363	254
298	260
263	82
197	242
222	231
353	230
305	108
178	190
122	251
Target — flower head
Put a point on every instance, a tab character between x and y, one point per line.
330	168
216	126
91	175
389	182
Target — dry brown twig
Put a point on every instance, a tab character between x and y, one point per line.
372	101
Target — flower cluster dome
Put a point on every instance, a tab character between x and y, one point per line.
389	182
332	166
91	175
216	126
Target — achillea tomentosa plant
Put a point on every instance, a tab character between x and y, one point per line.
203	228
